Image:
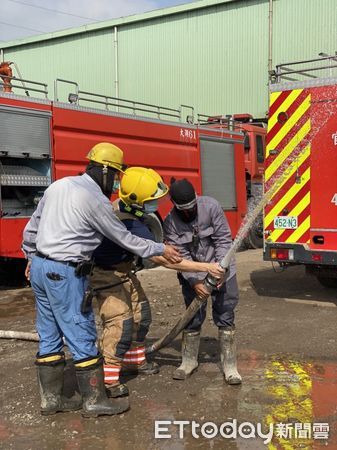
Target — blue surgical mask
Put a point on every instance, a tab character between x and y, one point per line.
150	206
115	186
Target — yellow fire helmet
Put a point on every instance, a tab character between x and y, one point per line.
139	185
108	155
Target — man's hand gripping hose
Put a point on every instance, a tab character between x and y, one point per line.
210	284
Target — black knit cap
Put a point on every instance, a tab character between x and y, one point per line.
182	191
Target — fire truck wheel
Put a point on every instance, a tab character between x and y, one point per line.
255	239
255	235
327	282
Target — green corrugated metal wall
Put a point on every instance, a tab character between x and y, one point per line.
214	58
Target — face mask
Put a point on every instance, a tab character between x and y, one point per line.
116	186
151	206
187	215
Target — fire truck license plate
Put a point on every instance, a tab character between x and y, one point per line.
285	222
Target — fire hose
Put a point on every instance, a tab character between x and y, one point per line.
210	284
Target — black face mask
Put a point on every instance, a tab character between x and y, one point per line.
187	215
105	182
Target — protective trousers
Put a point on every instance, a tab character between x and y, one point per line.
126	317
224	302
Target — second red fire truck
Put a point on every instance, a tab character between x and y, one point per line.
300	221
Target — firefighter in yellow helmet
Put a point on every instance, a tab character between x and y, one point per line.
68	225
125	309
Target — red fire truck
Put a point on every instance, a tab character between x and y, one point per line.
43	140
300	220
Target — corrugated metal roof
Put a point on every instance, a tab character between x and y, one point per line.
162	12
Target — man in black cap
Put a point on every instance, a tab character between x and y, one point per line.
197	226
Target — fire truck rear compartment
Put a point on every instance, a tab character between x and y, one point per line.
24	160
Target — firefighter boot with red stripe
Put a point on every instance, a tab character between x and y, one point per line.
50	370
134	361
90	377
228	355
113	386
189	354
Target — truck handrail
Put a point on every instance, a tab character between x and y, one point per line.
117	102
228	121
282	71
27	88
161	112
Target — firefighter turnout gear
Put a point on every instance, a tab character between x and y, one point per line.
90	379
108	155
50	375
135	361
126	318
140	185
124	309
189	354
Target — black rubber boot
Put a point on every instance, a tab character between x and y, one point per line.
95	400
189	354
117	390
50	379
228	355
147	368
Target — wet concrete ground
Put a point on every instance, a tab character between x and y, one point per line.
286	330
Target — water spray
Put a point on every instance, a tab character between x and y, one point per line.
210	282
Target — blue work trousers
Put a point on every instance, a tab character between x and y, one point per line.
224	301
58	310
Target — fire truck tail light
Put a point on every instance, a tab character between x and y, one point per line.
282	253
317	257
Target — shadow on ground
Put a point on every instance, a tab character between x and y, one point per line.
291	283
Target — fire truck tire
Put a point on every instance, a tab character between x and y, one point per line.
327	282
255	237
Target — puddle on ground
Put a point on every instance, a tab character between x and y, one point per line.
297	398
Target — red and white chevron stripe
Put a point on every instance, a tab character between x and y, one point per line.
111	374
136	356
